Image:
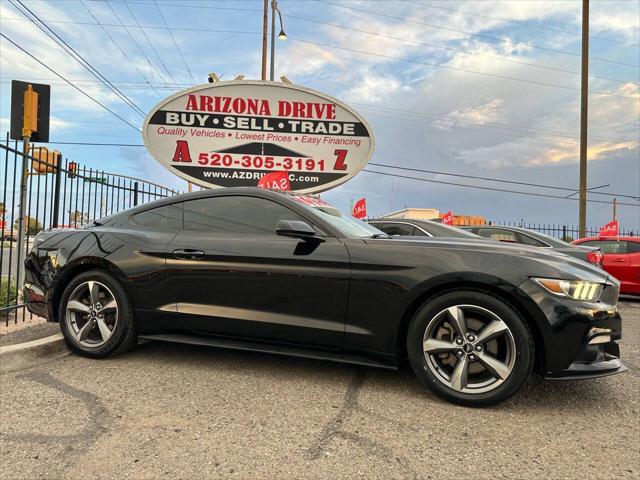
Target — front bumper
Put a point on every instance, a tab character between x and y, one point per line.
596	361
577	339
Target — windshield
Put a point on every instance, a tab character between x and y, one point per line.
349	226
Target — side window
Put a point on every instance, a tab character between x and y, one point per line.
527	240
498	234
397	229
633	247
165	218
589	243
229	215
612	246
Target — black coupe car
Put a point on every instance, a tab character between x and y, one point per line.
254	269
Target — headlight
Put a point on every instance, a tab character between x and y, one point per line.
576	289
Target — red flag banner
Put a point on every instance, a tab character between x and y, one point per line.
610	229
360	209
447	218
275	180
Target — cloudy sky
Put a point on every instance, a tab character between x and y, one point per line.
478	88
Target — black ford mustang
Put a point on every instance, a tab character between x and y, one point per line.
259	270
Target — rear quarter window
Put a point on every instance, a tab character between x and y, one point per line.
166	218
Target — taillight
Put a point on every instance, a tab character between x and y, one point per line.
595	258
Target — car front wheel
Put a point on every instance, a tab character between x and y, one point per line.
470	348
95	315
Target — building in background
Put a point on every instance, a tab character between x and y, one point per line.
434	214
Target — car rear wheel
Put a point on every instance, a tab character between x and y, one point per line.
470	348
95	315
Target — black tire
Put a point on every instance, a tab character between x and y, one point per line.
124	335
520	335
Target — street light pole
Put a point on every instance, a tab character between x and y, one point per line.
281	35
584	101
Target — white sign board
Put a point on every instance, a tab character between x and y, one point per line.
232	133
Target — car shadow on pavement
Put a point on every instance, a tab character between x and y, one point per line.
537	393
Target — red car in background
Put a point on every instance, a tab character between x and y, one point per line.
621	259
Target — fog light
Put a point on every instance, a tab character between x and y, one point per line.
599	335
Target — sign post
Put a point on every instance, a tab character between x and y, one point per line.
29	121
233	133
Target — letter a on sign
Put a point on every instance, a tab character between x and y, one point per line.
182	152
360	209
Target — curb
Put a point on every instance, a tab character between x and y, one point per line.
27	354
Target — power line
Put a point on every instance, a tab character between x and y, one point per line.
498	180
74	86
174	41
449	67
545	67
116	44
149	42
452	49
126	29
428	180
75	55
450	117
518	192
489	37
516	22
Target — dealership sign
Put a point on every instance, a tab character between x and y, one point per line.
234	133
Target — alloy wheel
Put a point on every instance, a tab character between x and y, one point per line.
469	349
91	314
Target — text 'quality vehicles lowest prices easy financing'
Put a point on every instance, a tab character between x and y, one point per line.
253	269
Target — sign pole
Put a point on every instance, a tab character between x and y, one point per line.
23	223
29	125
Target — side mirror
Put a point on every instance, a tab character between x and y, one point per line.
294	228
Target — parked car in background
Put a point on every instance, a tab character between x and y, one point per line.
591	254
253	269
419	228
621	259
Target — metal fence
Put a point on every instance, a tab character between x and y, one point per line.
567	233
68	195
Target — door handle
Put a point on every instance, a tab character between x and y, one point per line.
188	254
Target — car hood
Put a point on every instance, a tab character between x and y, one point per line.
551	263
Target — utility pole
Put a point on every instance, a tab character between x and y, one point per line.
584	101
614	208
264	39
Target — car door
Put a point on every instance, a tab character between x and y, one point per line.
231	274
616	259
633	277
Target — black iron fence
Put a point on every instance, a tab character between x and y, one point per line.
567	233
59	195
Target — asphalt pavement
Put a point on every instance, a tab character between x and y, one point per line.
174	411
